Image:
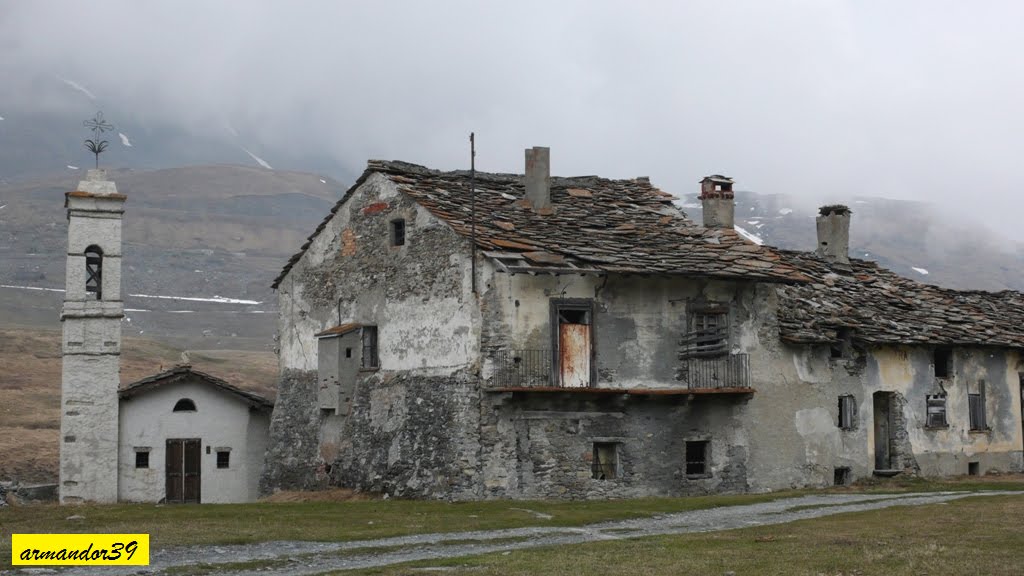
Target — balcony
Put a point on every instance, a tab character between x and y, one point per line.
532	371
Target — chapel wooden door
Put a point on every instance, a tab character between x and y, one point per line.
183	470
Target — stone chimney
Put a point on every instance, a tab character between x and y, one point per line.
538	177
716	196
834	233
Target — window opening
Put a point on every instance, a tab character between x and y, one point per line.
605	463
370	357
976	408
943	360
223	458
847	412
398	232
348	352
841	476
936	411
973	469
185	405
697	457
142	459
94	271
709	334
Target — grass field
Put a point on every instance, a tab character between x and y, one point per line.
970	537
826	544
30	390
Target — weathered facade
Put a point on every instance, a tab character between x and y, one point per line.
582	338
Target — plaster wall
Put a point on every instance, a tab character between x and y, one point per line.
89	428
638	322
222	421
798	440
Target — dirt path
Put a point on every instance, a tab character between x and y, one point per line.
294	558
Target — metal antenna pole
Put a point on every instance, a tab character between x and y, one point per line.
472	204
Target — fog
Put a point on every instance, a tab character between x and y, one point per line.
822	100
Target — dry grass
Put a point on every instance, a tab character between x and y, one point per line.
30	390
974	536
332	495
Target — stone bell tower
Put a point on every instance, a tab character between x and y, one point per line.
91	347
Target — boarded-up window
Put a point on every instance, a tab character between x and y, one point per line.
708	336
847	412
936	411
697	455
370	357
976	408
605	464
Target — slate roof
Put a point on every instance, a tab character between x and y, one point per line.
182	373
595	226
879	306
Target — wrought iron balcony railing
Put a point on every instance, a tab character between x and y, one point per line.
533	368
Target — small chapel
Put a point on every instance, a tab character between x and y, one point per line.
180	436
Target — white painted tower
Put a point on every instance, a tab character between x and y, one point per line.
91	345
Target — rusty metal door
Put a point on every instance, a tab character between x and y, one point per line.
881	415
183	464
574	355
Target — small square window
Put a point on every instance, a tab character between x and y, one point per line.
847	412
223	458
841	476
142	459
398	232
605	465
348	352
697	458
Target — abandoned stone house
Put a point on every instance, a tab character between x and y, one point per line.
458	335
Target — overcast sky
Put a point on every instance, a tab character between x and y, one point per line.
824	100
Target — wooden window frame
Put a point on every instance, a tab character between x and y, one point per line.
369	340
705	462
847	412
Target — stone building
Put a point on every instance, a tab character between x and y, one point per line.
189	437
465	336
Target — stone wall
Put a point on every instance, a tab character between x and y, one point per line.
292	455
412	436
541	445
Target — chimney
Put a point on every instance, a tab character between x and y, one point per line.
834	233
716	196
538	177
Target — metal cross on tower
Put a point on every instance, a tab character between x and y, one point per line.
98	126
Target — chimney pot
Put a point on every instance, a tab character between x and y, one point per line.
538	177
833	224
717	200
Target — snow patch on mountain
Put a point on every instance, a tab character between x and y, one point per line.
216	299
921	271
124	139
78	87
785	211
258	160
749	236
70	167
